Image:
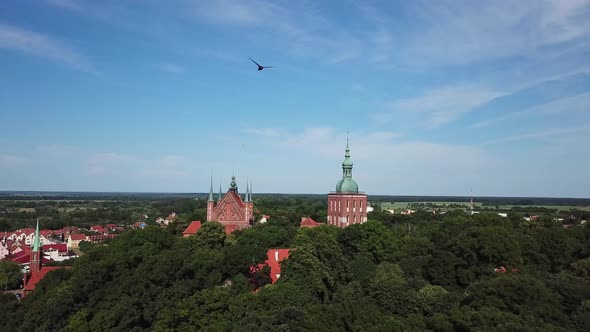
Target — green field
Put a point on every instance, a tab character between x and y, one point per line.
405	205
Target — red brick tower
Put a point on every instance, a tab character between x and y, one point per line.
36	253
347	206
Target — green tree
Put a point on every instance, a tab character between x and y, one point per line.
10	276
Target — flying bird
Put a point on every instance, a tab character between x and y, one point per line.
259	66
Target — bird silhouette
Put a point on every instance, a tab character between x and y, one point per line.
259	66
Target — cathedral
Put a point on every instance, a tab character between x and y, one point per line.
231	210
347	206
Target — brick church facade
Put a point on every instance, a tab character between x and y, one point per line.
231	210
347	206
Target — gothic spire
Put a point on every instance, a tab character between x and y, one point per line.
37	243
247	196
211	192
220	195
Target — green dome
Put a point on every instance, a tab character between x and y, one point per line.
347	185
347	162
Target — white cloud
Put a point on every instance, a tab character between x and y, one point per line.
41	45
7	160
540	134
577	103
58	150
443	105
267	132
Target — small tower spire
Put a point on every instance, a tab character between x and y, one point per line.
247	196
347	163
37	243
220	195
211	192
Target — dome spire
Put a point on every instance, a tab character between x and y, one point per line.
347	184
233	186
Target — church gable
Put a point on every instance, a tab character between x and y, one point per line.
230	208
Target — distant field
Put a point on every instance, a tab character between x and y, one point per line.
69	209
405	205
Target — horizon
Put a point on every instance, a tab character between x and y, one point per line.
440	99
275	193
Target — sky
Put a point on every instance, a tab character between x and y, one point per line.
437	97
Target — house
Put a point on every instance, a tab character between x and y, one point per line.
170	218
74	240
100	238
192	229
4	250
407	212
503	215
264	219
98	229
274	257
308	222
56	252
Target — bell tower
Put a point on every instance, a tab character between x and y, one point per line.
36	253
347	205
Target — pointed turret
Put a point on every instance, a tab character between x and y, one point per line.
247	196
220	194
37	243
36	254
211	192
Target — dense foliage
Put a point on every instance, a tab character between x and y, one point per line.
418	272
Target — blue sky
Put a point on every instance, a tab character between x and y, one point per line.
440	97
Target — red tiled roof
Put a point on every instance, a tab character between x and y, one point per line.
36	277
23	257
61	247
274	259
111	225
308	222
27	231
78	237
193	228
230	228
45	232
97	228
237	198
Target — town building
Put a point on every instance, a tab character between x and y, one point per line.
347	205
274	257
192	229
75	239
308	222
231	210
36	271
